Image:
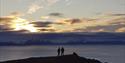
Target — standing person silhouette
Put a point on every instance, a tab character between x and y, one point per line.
62	51
58	51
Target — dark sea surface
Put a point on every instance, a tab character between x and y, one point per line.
104	53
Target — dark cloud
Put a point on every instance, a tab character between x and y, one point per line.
6	18
56	14
59	23
2	27
44	26
109	28
73	21
119	19
41	24
7	28
47	30
117	14
5	23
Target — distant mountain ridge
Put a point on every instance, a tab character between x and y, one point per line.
61	38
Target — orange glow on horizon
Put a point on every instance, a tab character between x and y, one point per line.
22	24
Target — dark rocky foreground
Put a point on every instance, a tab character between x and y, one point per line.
72	58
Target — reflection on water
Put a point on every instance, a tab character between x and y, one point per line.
106	53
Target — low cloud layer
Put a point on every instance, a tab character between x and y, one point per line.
14	23
107	24
122	29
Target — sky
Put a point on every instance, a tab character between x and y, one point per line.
63	15
70	8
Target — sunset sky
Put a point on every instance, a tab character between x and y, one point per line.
62	15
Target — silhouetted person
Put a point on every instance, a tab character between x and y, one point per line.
62	51
58	51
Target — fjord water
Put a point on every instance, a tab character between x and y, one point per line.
104	53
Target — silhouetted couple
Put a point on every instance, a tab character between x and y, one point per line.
60	51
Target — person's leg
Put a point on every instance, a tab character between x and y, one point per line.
61	54
58	53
